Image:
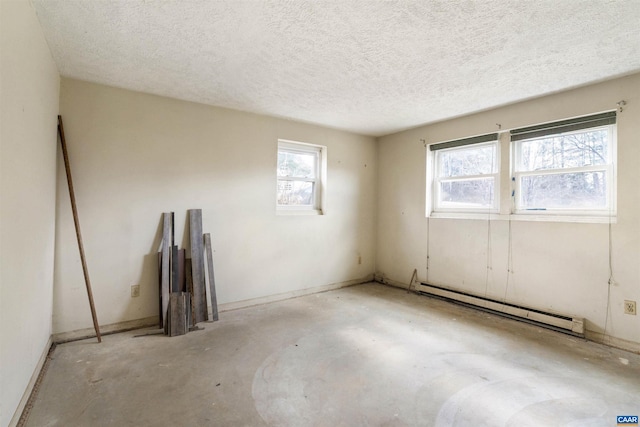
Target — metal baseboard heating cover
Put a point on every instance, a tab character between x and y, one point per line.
562	323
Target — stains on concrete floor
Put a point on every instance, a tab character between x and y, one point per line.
367	355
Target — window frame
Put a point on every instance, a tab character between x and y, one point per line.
437	205
318	182
609	172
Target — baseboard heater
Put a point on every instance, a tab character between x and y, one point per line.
566	324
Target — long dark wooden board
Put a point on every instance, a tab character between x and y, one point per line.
189	286
175	275
181	281
160	288
165	276
76	221
212	280
200	312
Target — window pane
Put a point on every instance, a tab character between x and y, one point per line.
471	193
471	160
565	151
295	193
296	164
582	190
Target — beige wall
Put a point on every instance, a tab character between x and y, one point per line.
135	156
29	106
561	267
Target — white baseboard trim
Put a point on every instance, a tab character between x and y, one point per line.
112	328
32	382
293	294
610	341
390	282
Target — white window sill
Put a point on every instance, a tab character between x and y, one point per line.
281	211
534	217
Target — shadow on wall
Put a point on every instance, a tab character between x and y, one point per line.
149	280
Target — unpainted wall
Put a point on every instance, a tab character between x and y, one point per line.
555	266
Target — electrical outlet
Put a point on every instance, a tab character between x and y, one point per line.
135	291
629	307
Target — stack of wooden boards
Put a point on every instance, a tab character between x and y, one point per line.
182	280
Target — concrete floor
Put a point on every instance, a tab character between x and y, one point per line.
368	355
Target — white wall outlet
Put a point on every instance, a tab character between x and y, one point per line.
629	307
135	291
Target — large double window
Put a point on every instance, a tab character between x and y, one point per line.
559	168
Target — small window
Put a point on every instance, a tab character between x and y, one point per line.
300	177
566	168
466	175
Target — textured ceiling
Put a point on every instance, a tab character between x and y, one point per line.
369	66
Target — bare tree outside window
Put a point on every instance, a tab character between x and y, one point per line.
466	177
567	171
